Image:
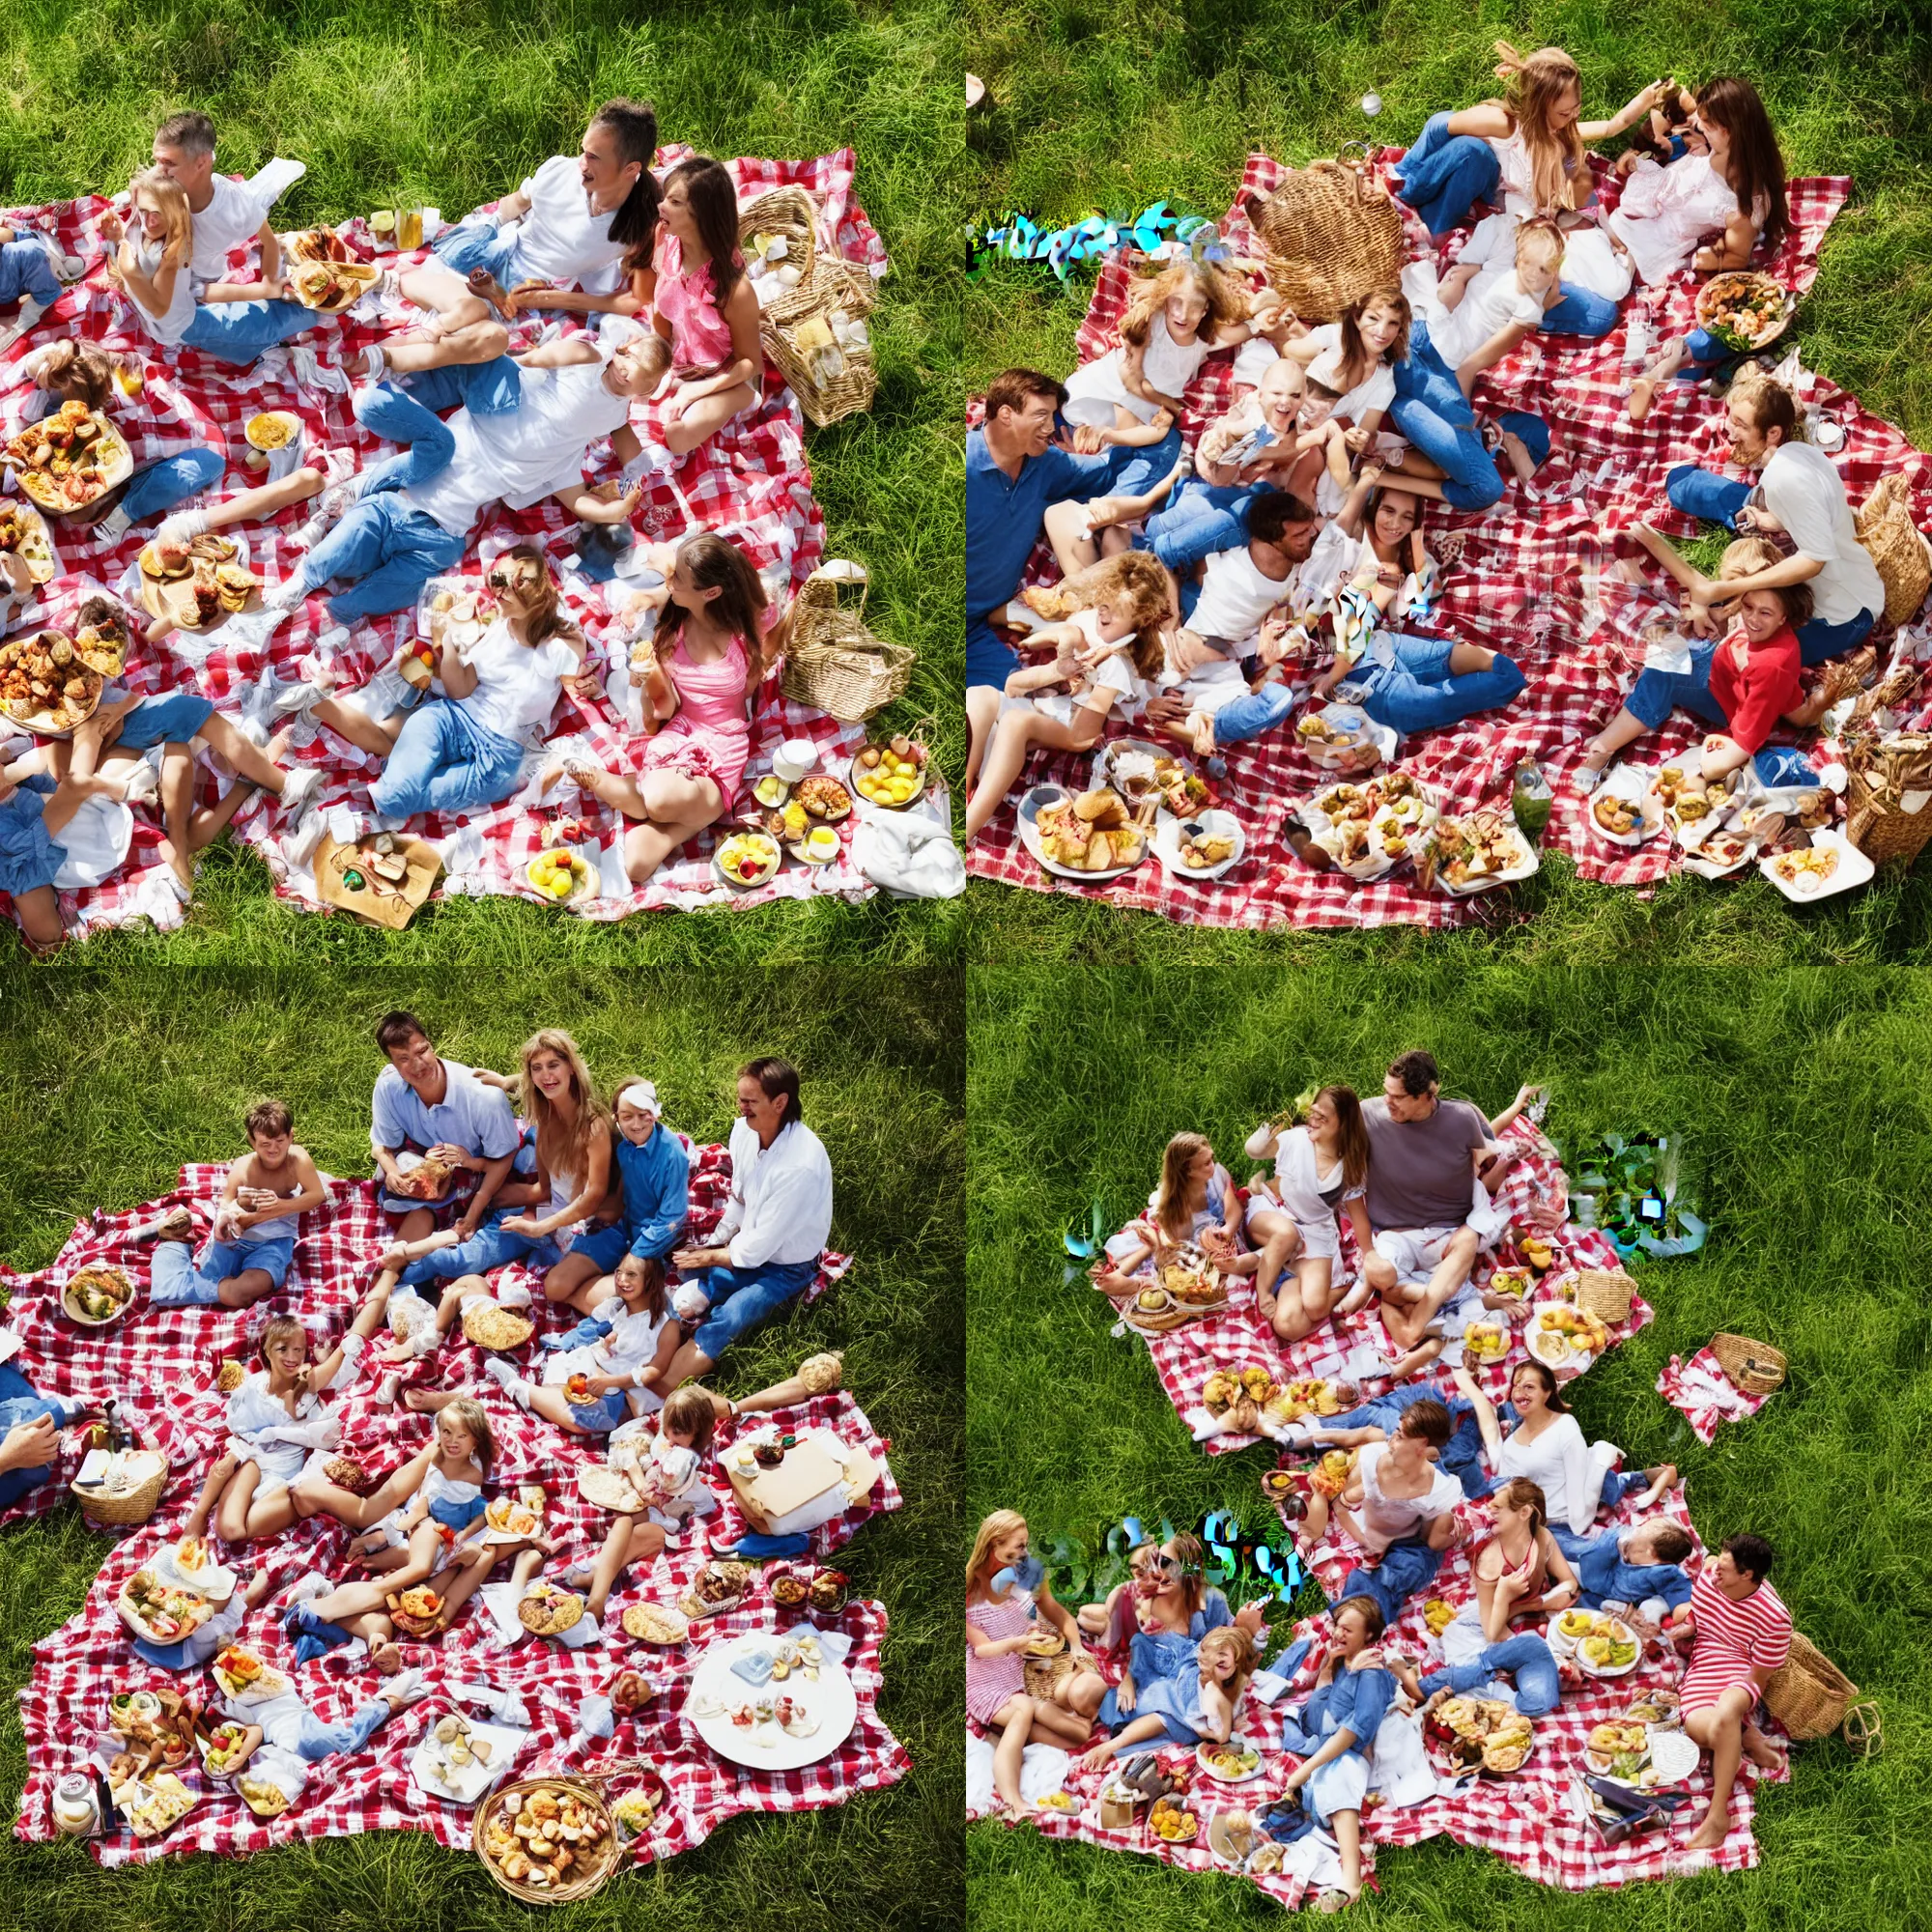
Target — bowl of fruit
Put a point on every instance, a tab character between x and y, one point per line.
567	878
891	772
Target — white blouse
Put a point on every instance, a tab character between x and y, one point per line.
1569	1471
1298	1179
1095	390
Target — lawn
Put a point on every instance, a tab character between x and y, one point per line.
1801	1101
1117	108
107	1083
451	102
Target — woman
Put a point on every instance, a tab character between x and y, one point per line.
1001	1623
1736	193
1356	356
465	751
1336	1731
709	656
1534	1435
1519	1572
1293	1216
1196	1201
704	304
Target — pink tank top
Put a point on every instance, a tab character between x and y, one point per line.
711	696
701	338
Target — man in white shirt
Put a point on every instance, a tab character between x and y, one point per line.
766	1249
435	1110
1799	496
524	432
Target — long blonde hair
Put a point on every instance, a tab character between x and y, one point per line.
1533	85
177	219
1236	1642
560	1148
1226	302
1169	1202
1000	1523
1139	580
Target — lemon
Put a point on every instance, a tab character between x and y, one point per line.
561	885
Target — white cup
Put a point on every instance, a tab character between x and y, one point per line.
794	758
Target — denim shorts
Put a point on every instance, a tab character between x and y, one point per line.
605	1413
173	720
603	1247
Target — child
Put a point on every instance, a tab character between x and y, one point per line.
1131	598
611	1363
1484	308
1275	327
1335	1730
1639	1568
262	1199
287	1725
1166	1701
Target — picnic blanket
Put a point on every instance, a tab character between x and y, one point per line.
163	1366
1532	1821
1355	1348
752	482
1706	1397
1542	582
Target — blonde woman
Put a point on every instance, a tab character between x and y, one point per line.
1002	1617
1197	1202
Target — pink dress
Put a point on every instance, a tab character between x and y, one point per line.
701	338
991	1680
708	737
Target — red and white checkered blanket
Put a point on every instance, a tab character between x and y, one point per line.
752	481
1706	1397
163	1363
1532	1821
1342	1349
1539	582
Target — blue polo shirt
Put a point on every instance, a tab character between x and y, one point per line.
1003	522
656	1183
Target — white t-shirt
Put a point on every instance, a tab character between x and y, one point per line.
180	317
1095	390
1804	492
525	454
1385	1519
1376	391
1235	595
233	216
560	239
1491	302
516	685
1255	357
1114	676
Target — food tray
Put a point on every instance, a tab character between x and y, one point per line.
39	486
172	600
1214	823
1854	868
1637	786
1030	809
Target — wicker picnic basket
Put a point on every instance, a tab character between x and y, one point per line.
826	286
1888	797
588	1792
832	661
1893	543
1755	1367
1808	1694
124	1509
1330	235
1606	1294
1042	1674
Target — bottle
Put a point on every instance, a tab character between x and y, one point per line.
1636	338
75	1807
111	1419
1530	800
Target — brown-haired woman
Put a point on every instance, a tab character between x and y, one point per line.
1292	1216
465	751
701	673
1195	1201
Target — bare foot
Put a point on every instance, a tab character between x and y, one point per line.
1643	393
387	1658
421	1402
182	866
1666	1480
1761	1752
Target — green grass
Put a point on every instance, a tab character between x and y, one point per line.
1115	107
109	1082
1801	1099
450	103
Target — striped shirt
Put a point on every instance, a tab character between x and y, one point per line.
1733	1640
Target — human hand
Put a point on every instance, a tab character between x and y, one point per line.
466	1225
30	1445
1125	1696
1249	1618
1188	653
452	1155
676	408
112	227
1162	420
1087	441
1378	1272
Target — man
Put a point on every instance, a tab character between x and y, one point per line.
1801	496
1424	1153
766	1249
1378	1420
1742	1633
523	433
435	1109
1639	1567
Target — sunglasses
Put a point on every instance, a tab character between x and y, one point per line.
521	577
1157	1566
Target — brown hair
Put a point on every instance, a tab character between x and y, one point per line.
1175	1161
562	1149
690	1410
1271	512
1226	302
475	1420
1771	406
1352	1136
1011	388
653	1271
715	562
1429	1419
177	221
1374	1623
271	1118
1756	167
714	210
775	1076
193	132
77	372
398	1029
1357	363
1547	1375
547	618
1233	1640
278	1329
1534	84
1186	1552
1671	1543
1520	1492
1139	579
635	124
1418	1072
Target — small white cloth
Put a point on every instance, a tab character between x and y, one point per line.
1042	1770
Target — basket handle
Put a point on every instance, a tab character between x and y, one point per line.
840	570
1357	157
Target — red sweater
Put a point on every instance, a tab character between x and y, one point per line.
1754	693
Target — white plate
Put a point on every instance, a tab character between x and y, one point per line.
1220	1777
828	1697
1673	1755
1102	770
1590	1669
1522	868
1854	870
468	1783
216	1582
1554	1350
764	878
1370	745
1697	860
1030	807
1216	824
1634	783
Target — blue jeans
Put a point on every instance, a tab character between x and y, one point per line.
1655	693
484	388
444	763
1405	1568
1527	1658
1250	715
1718	499
27	269
155	490
1444	175
491	1247
1418	691
387	548
402	416
479	244
1430	411
1136	469
1579	312
1200	519
21	1402
1617	1485
176	1280
603	1247
317	1740
239	332
1462	1455
742	1298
